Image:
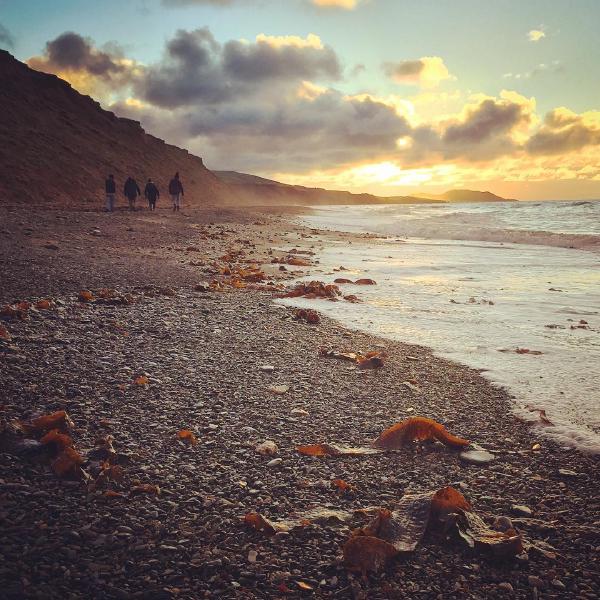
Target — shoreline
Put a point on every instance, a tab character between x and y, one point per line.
202	352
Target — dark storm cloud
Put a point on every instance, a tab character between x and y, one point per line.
71	51
6	38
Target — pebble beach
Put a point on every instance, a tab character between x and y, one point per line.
238	370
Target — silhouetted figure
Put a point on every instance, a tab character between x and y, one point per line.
176	191
111	189
131	191
152	194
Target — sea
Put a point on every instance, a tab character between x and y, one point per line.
511	289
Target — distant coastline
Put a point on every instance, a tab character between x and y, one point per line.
254	188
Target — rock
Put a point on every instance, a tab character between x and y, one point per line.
279	389
477	457
535	582
252	555
568	473
503	524
267	368
267	448
51	246
299	412
507	587
521	511
558	584
274	462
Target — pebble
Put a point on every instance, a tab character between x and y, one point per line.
535	582
521	510
267	368
274	462
507	587
477	457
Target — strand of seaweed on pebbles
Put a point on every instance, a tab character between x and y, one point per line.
199	356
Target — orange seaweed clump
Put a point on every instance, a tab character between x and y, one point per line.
314	289
58	420
67	464
187	436
417	429
364	553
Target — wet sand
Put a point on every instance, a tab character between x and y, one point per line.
202	353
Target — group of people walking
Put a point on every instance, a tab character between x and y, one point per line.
131	190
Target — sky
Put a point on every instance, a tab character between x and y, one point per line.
392	97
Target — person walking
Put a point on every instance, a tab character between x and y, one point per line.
131	190
176	191
152	194
111	189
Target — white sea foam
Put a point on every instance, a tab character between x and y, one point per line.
435	293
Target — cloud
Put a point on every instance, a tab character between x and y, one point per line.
535	35
196	68
427	72
565	131
345	4
285	57
6	38
555	66
269	106
342	4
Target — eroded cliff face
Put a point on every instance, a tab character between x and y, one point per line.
57	147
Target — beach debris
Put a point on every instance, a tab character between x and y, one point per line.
260	523
342	486
522	351
58	420
350	356
68	464
294	261
85	296
279	390
314	289
267	448
144	488
335	450
17	311
44	304
541	415
310	316
371	360
477	457
417	429
393	532
104	450
186	435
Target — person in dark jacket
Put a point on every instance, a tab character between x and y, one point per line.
111	189
131	191
152	194
176	191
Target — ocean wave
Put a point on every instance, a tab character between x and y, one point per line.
464	230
